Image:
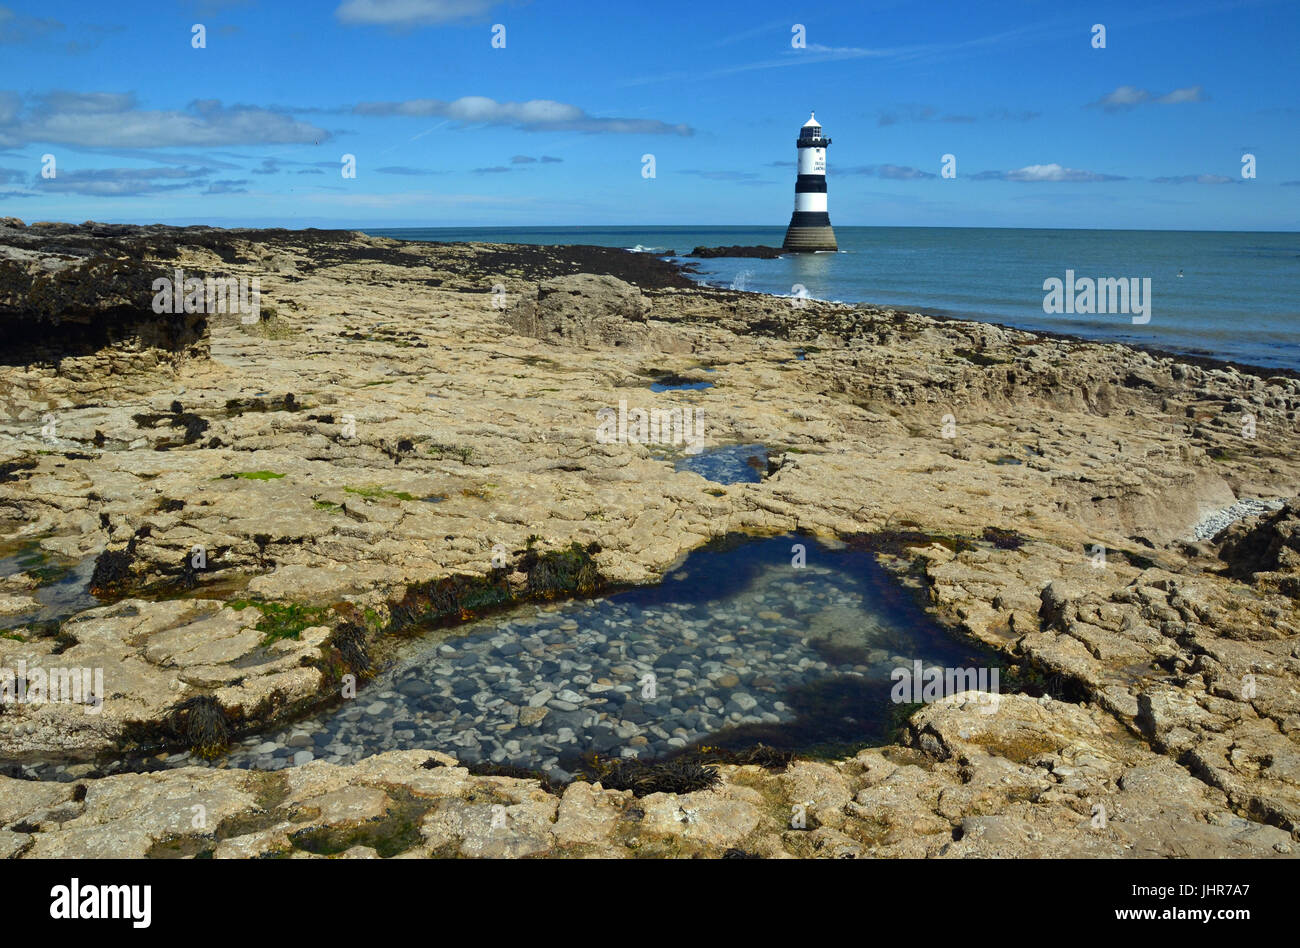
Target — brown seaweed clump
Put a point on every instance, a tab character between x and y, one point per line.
643	779
202	724
350	640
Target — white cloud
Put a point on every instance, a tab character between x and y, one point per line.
399	13
1048	172
121	182
1198	179
1190	94
533	115
892	172
110	120
1128	97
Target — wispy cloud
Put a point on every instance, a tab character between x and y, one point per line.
122	182
409	13
817	53
404	170
533	115
908	112
1050	173
1198	179
891	172
112	120
16	28
1124	98
738	177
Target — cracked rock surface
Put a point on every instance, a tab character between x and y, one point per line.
400	413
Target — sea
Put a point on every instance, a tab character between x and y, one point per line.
1226	295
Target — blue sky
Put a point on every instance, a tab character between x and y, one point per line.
1046	130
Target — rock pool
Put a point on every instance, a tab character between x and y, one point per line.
738	645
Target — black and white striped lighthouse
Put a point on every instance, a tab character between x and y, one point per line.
810	225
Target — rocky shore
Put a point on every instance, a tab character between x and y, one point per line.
758	251
405	437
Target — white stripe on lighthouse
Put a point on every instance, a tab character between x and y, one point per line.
810	201
812	161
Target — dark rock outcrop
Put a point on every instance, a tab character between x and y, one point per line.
761	252
1265	548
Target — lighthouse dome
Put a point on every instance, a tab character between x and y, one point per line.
811	129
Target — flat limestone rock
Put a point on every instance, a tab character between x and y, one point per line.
1043	492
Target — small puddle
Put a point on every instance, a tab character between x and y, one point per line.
680	386
736	646
64	588
729	464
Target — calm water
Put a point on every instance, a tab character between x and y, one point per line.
737	645
785	640
1238	298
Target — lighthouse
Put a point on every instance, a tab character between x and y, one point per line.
810	225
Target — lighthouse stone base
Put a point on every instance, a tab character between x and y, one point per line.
810	231
809	238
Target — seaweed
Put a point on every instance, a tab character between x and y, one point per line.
397	831
376	493
282	620
189	575
112	571
9	470
645	778
488	769
550	575
349	639
253	476
979	358
202	724
286	402
558	572
439	451
1003	539
193	424
769	758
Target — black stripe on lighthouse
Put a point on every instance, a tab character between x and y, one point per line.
810	184
810	219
